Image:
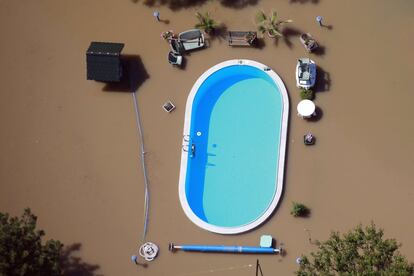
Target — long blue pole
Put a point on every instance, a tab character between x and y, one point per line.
225	249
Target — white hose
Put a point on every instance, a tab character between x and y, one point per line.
148	251
142	153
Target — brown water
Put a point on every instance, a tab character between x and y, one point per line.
69	150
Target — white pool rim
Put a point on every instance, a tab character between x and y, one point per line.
282	149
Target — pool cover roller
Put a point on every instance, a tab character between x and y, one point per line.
225	249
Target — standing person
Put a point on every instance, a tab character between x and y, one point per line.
134	259
319	20
156	14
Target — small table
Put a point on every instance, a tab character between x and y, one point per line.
168	106
306	109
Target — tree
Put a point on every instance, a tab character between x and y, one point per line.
21	248
362	251
205	22
270	24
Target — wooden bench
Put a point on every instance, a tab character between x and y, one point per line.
241	38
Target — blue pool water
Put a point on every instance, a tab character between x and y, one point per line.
232	177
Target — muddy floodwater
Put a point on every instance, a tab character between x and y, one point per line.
70	148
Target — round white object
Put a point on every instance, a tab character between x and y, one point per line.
306	108
198	133
148	251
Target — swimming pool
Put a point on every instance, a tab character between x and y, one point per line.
232	160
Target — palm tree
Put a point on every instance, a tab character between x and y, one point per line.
205	23
270	24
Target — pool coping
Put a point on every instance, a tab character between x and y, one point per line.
282	149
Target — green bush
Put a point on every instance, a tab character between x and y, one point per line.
306	94
299	210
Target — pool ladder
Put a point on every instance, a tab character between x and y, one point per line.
187	146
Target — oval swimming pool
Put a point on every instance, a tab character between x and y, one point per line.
232	160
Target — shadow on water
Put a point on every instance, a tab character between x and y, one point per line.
316	118
220	33
323	80
304	1
259	270
183	4
237	4
173	4
134	75
329	27
320	51
75	266
308	212
289	33
259	43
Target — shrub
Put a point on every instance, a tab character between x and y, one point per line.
306	94
299	210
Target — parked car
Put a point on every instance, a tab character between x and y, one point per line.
187	41
305	73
